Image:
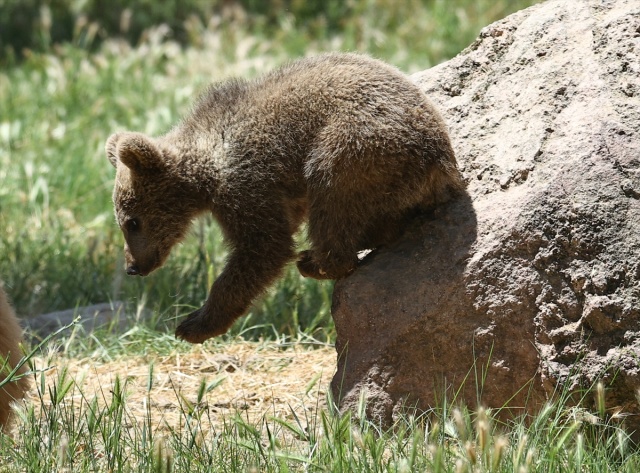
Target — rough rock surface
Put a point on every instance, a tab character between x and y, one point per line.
532	282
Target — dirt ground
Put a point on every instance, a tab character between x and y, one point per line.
256	379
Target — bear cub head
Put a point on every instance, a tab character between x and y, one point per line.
152	208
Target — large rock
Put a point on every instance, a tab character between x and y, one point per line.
532	282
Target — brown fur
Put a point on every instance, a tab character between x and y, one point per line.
10	338
343	140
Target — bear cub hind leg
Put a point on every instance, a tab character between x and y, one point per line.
342	260
335	243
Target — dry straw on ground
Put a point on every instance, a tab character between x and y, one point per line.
256	379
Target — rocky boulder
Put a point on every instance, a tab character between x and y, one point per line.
531	283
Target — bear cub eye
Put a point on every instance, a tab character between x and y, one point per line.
132	225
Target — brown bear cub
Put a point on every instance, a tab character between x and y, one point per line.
342	140
10	356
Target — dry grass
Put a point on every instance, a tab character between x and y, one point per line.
256	379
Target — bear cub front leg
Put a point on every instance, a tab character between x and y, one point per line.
252	266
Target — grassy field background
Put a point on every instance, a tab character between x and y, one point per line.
71	73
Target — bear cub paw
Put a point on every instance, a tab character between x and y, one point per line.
310	268
199	326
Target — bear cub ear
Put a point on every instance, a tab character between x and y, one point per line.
134	150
